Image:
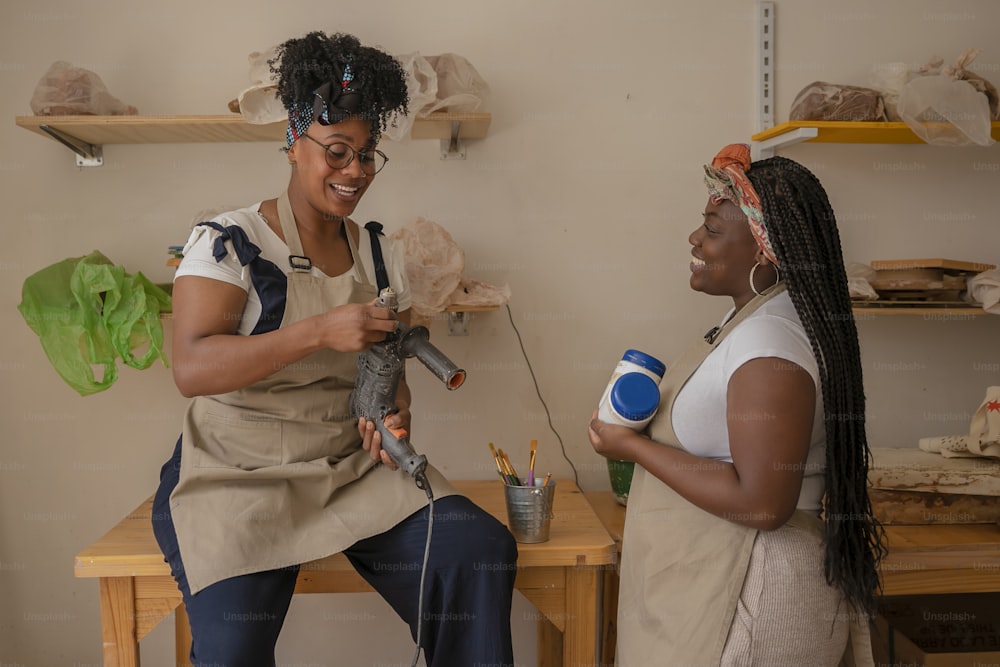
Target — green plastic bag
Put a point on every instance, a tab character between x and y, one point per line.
87	312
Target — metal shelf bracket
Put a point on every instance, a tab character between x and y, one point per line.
765	149
453	148
87	155
458	323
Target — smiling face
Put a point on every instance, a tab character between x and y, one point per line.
334	193
723	252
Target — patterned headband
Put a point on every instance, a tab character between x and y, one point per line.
726	178
332	103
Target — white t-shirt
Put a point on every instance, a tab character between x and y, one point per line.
699	413
264	278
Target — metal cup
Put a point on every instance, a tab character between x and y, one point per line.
529	511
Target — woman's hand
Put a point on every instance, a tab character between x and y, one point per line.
613	440
354	327
372	443
398	421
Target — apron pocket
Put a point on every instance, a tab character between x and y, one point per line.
232	442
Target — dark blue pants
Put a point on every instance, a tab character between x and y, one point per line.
467	596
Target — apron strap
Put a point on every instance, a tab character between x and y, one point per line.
297	258
381	275
662	429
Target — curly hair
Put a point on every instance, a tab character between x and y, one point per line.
803	231
306	63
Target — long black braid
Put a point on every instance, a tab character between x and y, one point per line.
803	231
304	64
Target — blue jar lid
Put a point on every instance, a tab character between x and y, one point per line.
642	359
635	396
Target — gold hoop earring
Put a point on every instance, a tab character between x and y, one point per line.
753	270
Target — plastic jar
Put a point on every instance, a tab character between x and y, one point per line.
632	401
634	361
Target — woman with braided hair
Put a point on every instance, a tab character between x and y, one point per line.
749	537
272	304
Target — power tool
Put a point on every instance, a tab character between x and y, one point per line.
380	369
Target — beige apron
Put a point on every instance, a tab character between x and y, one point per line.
679	589
274	474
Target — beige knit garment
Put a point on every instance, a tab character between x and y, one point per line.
787	615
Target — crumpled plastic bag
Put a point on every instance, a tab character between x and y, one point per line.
65	90
421	88
950	106
831	101
960	72
889	79
460	88
259	104
858	281
984	288
434	266
87	311
447	82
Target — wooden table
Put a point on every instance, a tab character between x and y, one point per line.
941	559
563	578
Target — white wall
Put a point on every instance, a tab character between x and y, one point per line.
581	199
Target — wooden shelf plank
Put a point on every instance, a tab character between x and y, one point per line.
100	130
950	264
459	308
438	126
854	132
948	311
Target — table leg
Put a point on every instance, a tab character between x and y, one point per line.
584	609
550	643
610	625
118	634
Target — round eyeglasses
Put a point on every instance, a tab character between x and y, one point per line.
339	155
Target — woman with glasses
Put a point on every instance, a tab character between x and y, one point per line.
272	304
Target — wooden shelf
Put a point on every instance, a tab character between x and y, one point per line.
87	135
943	312
100	130
459	308
843	132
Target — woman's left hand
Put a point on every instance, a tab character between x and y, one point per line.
371	439
401	418
612	440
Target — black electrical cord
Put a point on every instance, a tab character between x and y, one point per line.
422	483
548	415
